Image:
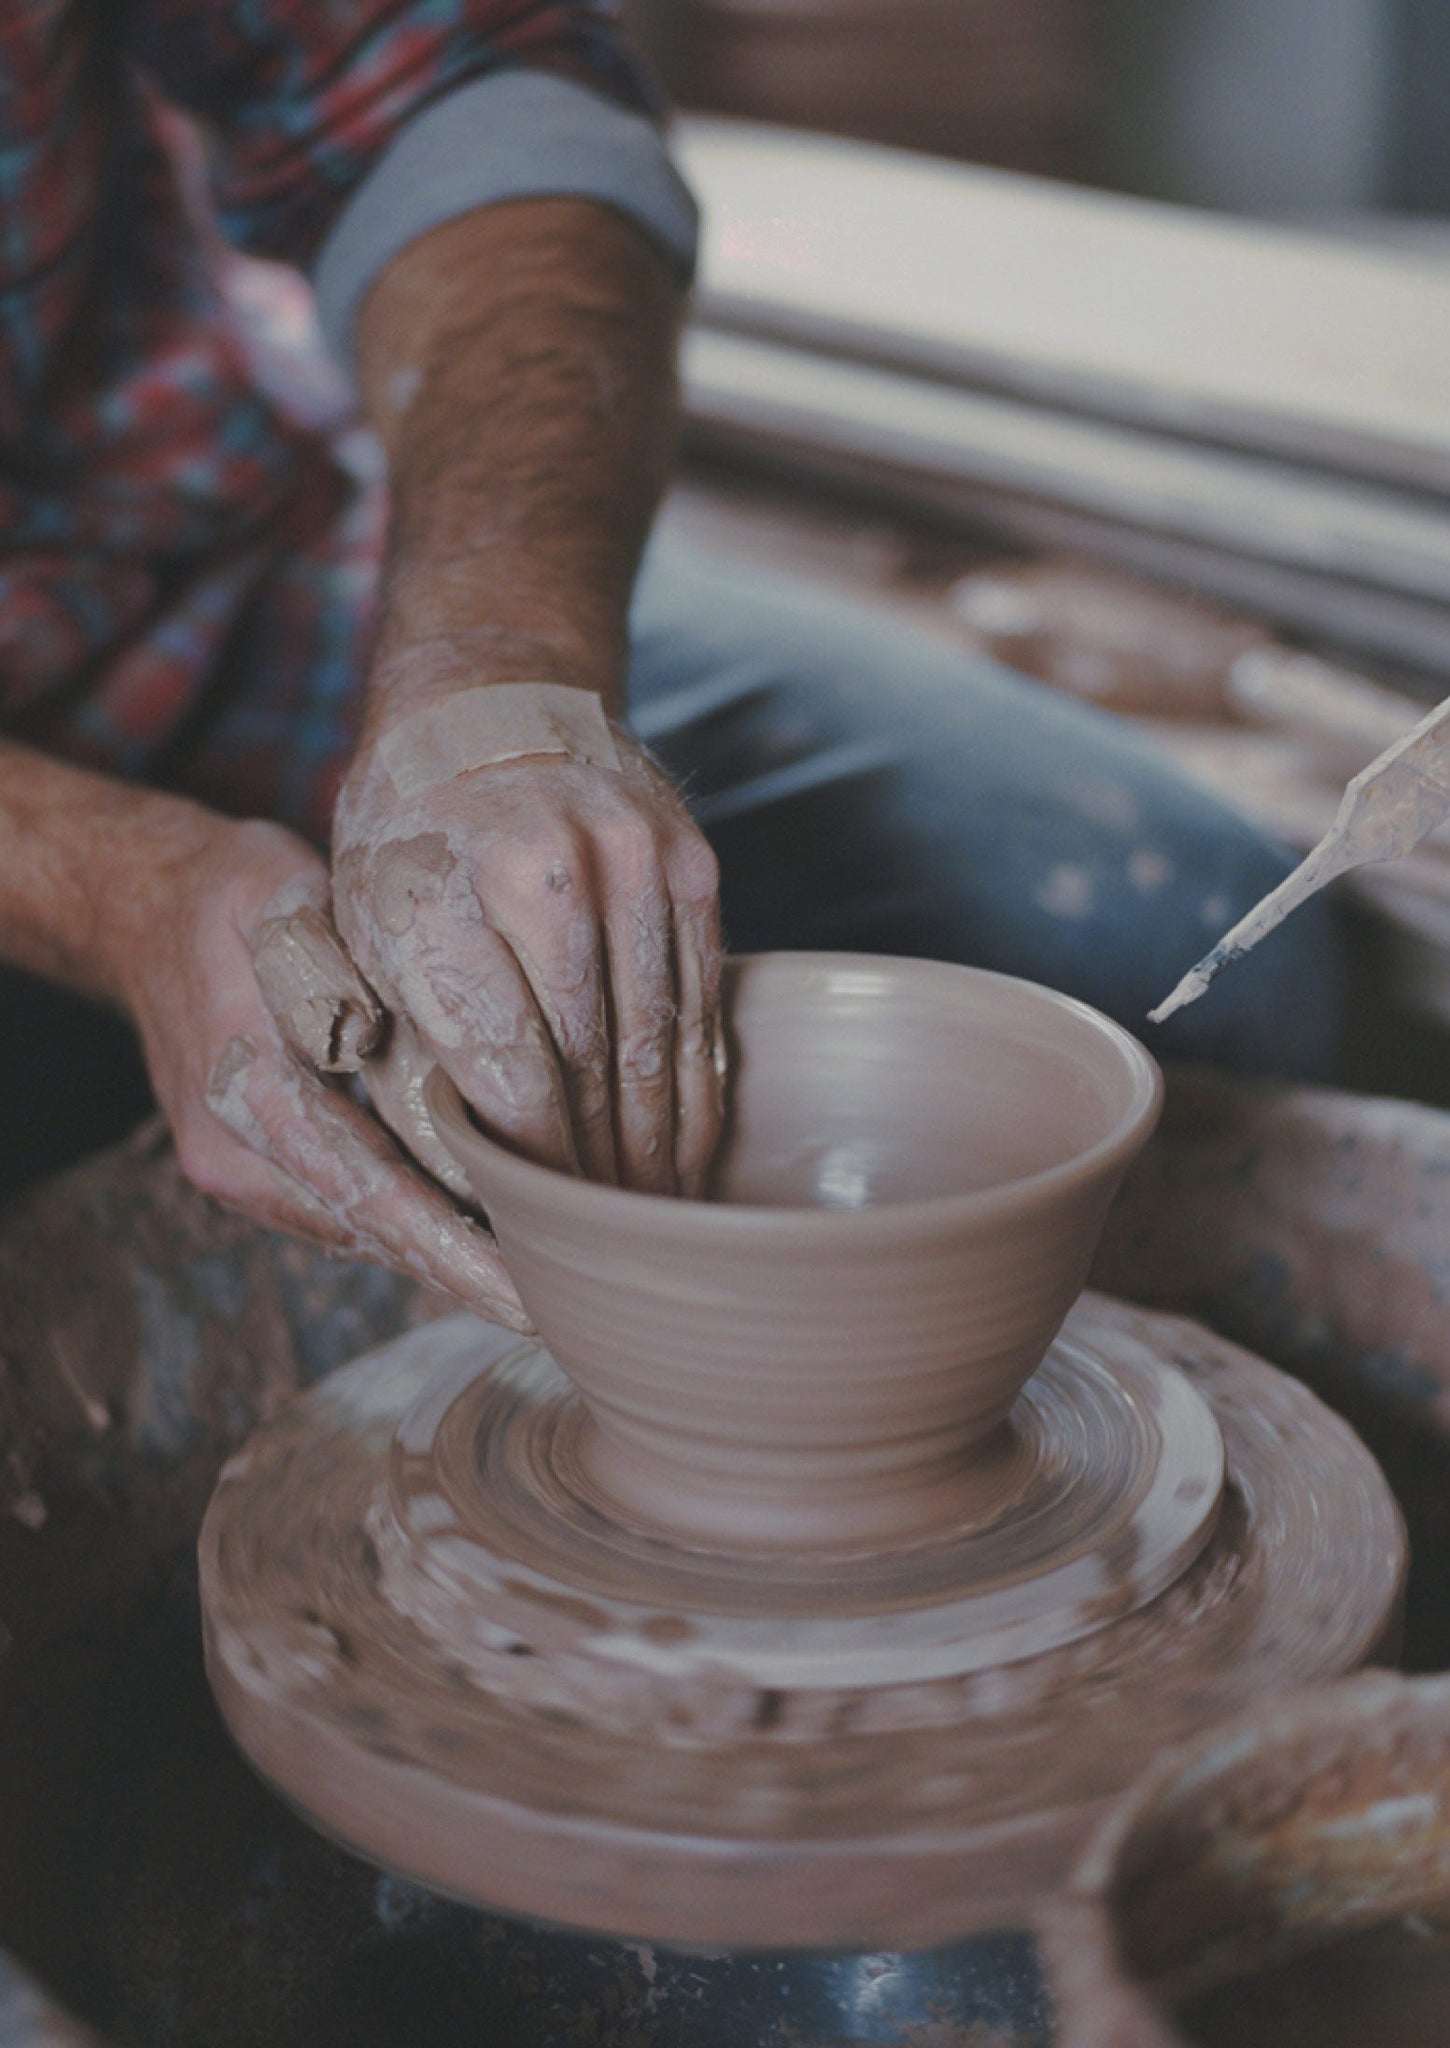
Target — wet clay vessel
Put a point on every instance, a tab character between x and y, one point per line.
915	1174
1284	1880
812	1582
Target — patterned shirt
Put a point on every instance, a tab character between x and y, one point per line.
184	563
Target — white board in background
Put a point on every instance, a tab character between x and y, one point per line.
1270	510
726	418
1259	336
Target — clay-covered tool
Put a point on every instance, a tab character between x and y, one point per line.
1387	809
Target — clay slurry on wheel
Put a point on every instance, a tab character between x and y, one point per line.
467	1717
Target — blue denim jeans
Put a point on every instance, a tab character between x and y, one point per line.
869	787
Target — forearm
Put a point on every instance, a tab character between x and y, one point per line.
548	923
84	863
519	364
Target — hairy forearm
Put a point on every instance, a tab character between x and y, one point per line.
519	364
547	922
84	863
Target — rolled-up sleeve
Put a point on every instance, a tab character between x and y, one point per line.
515	134
344	129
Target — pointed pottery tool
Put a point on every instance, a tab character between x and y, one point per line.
1387	809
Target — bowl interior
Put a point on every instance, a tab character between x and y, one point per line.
857	1083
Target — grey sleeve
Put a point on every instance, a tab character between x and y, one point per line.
513	135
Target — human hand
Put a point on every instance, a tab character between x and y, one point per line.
549	925
255	1124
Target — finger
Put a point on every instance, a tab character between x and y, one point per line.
324	1009
539	892
699	1050
568	986
225	1167
430	949
639	948
536	885
241	1180
347	1173
396	1080
472	1006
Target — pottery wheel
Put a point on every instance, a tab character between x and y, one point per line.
428	1633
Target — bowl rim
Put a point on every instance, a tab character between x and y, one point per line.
597	1201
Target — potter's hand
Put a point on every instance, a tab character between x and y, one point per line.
255	1123
549	924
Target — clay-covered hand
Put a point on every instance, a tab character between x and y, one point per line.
240	906
550	927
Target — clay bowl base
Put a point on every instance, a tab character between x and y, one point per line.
449	1656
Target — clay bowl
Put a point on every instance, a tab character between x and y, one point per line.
916	1165
1284	1881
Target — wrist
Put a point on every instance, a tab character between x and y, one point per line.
82	861
158	847
440	742
439	683
184	873
437	640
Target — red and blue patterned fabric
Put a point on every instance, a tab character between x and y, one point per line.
184	565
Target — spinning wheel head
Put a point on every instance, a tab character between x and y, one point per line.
428	1630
